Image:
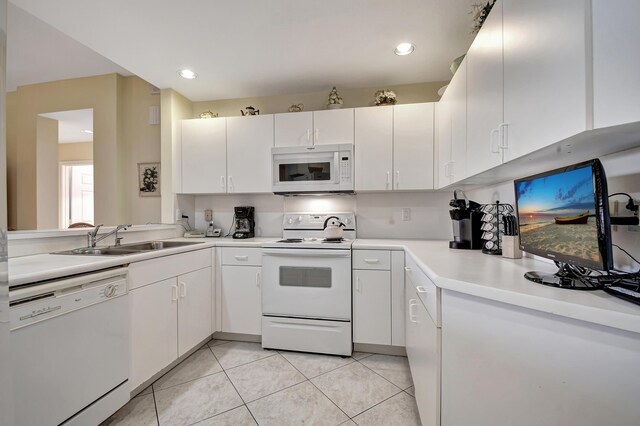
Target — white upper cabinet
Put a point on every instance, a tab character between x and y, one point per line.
458	112
484	95
443	141
545	79
616	62
333	126
204	156
249	143
413	133
294	128
374	148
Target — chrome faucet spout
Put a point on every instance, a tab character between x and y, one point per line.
92	236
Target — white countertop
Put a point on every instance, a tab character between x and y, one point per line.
40	267
465	271
501	279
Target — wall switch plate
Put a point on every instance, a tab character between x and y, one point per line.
178	214
406	214
208	215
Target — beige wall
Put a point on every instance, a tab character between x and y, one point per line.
406	93
47	176
175	108
78	151
121	128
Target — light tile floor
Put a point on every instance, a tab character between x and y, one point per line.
238	383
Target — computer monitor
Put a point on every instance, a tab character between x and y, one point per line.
563	215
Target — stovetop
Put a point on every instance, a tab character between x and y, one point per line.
306	230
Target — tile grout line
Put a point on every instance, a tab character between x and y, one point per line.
321	374
375	405
155	404
375	372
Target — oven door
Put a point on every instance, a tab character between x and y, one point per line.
307	283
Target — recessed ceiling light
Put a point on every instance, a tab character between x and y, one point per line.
187	73
404	49
87	131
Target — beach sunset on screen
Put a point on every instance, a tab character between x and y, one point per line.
556	214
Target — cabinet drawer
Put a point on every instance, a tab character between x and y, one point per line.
372	259
427	291
162	268
241	256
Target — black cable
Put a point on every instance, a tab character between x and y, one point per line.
631	206
627	253
233	222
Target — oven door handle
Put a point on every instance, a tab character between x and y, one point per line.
306	252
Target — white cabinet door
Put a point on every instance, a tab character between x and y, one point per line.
374	148
154	328
195	309
545	82
616	62
372	307
413	126
241	299
423	343
249	143
484	95
294	128
397	298
333	126
458	110
443	140
204	156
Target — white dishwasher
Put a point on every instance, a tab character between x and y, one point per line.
69	348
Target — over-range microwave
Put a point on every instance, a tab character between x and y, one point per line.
312	169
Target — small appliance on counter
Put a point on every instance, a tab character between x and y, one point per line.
466	220
244	222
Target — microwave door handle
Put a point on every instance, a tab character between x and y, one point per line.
336	166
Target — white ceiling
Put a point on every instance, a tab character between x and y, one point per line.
72	123
37	53
259	48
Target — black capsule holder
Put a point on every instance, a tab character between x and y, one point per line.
493	246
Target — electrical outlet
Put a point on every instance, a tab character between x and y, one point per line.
406	214
208	215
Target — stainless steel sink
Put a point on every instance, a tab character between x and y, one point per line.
126	249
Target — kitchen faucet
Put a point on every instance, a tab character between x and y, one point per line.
92	239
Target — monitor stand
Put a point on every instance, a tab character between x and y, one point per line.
564	278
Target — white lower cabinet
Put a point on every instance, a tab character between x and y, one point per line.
423	344
378	297
372	307
171	316
241	294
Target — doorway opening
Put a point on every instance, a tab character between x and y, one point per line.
76	193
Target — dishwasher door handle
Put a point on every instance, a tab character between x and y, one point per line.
306	253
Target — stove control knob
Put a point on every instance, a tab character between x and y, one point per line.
110	290
348	221
299	218
290	220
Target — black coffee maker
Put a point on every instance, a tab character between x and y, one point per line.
244	222
466	219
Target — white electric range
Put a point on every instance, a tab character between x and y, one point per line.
306	286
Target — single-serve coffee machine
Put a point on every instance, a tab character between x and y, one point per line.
466	219
244	222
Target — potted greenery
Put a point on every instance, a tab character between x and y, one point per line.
335	100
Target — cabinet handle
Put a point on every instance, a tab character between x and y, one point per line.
504	127
412	304
407	269
421	290
397	178
222	182
358	284
242	258
183	290
372	260
174	293
316	136
388	179
495	150
257	279
230	183
308	135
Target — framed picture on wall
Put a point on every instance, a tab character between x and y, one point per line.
149	179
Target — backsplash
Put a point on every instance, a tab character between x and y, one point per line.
379	215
